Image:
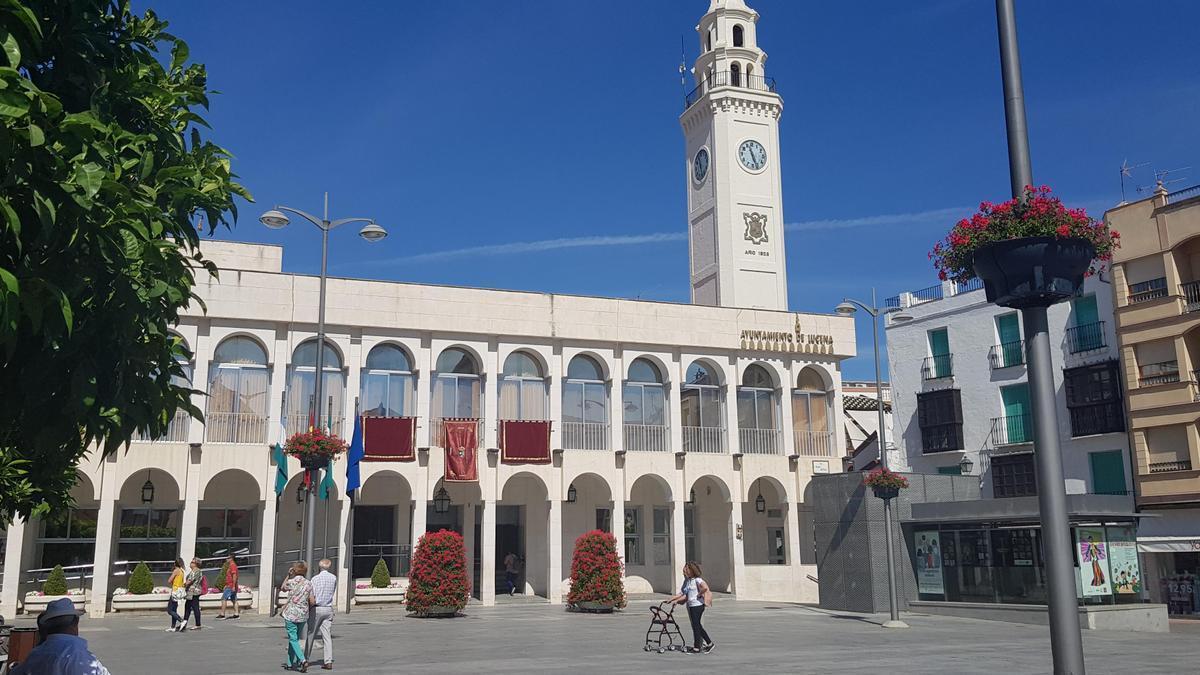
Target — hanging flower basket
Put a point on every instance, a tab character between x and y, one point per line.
1030	253
885	484
315	448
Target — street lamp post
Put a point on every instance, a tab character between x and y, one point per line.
276	219
1066	643
848	308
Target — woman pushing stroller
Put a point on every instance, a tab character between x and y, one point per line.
696	593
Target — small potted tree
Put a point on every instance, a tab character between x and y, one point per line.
53	588
438	585
1030	252
380	588
885	484
596	584
315	448
141	593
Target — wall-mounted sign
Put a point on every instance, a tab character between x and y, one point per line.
1123	560
927	550
820	466
784	341
1093	561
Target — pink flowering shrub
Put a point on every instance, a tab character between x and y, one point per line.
596	570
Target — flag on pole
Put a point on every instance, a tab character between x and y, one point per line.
327	483
354	457
280	460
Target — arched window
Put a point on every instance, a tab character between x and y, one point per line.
811	414
757	411
585	405
702	397
644	408
735	75
388	384
304	410
523	388
237	393
177	428
457	386
739	37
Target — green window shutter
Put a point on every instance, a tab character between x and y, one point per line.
939	349
1009	331
1017	420
1108	472
949	470
1087	324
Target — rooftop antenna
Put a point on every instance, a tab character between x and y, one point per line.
1127	172
683	65
1161	180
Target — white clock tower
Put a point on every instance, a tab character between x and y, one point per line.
735	205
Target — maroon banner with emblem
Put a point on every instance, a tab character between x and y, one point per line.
525	442
461	443
389	439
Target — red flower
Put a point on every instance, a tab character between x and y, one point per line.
1063	230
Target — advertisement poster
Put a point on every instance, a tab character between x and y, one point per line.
928	563
1093	561
1123	560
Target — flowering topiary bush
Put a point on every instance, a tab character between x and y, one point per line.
141	582
596	571
439	574
1039	215
381	577
882	479
315	445
56	583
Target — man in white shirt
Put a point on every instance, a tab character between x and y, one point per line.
324	587
62	651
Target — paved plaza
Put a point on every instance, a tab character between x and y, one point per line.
522	638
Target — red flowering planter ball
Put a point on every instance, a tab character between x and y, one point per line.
885	484
314	448
596	583
438	583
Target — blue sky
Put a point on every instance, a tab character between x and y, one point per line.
535	144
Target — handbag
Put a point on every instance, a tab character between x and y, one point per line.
178	593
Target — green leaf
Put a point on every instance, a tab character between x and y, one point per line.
10	47
10	217
179	54
10	282
36	135
13	104
89	177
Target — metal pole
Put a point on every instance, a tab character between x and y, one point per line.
893	601
1066	645
1019	167
310	535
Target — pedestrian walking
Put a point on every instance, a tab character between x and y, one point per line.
175	583
324	587
61	650
295	614
193	588
230	592
697	595
510	571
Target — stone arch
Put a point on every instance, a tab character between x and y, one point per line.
232	486
385	487
600	490
712	367
600	361
708	482
541	362
166	490
664	368
408	354
536	488
84	489
778	376
480	362
779	493
250	336
811	369
655	480
333	346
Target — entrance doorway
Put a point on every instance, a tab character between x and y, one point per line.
510	538
374	538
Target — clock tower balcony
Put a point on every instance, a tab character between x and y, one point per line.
732	79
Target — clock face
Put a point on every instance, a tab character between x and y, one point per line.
752	155
700	165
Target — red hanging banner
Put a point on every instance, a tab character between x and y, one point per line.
525	442
389	439
461	443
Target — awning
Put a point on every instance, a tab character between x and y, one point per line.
1169	544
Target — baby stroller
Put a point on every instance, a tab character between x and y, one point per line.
664	635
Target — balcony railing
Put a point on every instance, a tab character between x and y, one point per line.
177	430
300	422
942	437
1148	290
1012	430
729	79
437	432
813	443
1164	467
1086	337
704	439
760	441
1007	354
585	435
937	366
1191	296
647	437
1180	195
225	427
1097	418
1165	372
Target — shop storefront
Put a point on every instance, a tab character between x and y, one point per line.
1170	548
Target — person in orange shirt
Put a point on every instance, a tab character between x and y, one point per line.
230	592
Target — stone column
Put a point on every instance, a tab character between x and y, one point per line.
424	384
737	557
202	352
791	522
557	368
420	518
491	401
266	558
731	416
618	526
13	548
554	550
110	490
487	567
786	421
469	537
191	505
674	412
678	536
616	408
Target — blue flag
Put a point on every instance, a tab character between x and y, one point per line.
354	457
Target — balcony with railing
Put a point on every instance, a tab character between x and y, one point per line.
1097	418
1153	374
1086	337
1146	291
437	431
177	430
710	440
235	427
1180	195
937	366
1191	296
813	443
585	435
1007	354
941	437
760	441
729	79
1166	467
1012	430
300	422
647	437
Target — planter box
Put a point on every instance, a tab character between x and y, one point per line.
437	613
374	596
592	607
35	604
150	602
245	600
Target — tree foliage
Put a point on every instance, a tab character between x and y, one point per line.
438	577
56	583
596	570
141	582
381	577
103	170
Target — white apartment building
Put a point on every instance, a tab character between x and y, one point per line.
960	389
690	431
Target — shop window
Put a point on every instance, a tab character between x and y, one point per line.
633	537
148	535
939	415
68	538
1094	399
662	535
220	530
1013	476
691	547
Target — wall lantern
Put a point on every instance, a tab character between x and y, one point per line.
965	465
441	500
147	490
572	494
760	504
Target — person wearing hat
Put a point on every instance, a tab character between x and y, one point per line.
61	651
